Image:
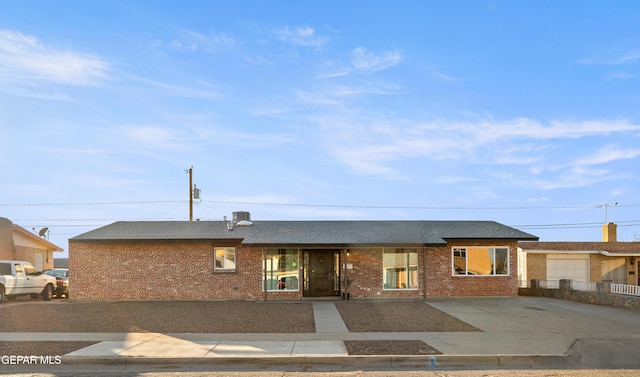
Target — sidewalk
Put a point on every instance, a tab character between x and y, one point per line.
523	331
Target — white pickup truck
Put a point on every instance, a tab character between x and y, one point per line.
21	278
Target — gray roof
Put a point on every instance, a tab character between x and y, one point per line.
307	233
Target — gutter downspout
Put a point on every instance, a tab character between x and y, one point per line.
424	274
264	283
346	274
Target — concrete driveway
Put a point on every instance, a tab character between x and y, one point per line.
592	334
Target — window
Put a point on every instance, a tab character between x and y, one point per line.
5	269
282	270
30	270
400	268
225	259
481	261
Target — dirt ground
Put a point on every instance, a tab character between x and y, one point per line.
222	317
398	316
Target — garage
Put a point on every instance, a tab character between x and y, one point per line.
564	266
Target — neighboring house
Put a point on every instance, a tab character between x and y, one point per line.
61	263
155	260
609	260
17	243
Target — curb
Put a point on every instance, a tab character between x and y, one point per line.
375	362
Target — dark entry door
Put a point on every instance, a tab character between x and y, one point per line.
321	273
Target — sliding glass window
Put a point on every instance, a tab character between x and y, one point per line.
400	268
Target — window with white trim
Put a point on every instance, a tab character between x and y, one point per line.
481	261
224	259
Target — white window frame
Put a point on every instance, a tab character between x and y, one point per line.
463	252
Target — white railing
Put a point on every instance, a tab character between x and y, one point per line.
583	285
550	284
623	289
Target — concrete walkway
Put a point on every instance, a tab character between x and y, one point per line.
515	330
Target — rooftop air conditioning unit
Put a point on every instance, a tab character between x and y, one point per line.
241	216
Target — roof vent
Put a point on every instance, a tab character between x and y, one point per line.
244	223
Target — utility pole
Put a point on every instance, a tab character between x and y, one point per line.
190	194
194	192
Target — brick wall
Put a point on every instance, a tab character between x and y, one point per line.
441	282
366	275
595	267
184	271
536	266
159	271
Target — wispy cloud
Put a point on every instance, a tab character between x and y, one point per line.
630	57
301	36
370	145
606	154
567	178
24	57
179	90
193	41
156	138
339	95
367	61
620	75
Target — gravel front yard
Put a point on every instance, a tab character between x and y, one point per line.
398	316
159	316
389	347
223	317
41	348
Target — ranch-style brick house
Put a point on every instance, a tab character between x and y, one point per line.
265	260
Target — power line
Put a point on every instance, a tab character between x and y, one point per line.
87	203
456	208
413	207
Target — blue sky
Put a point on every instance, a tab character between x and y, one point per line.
522	112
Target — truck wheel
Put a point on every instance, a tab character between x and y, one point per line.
47	292
1	295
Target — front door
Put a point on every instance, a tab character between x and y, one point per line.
321	273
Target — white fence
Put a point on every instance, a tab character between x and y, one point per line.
548	284
583	285
623	289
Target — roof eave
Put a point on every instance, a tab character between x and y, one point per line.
217	241
339	245
555	251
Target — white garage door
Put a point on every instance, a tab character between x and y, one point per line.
576	268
